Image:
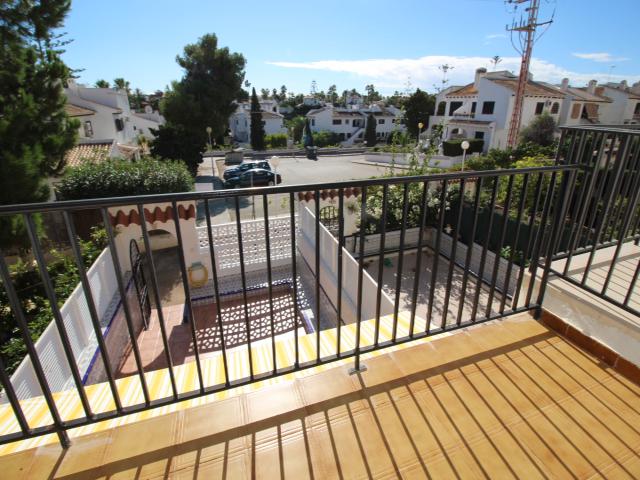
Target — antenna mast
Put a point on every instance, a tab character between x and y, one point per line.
527	34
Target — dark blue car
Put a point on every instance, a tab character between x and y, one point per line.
253	178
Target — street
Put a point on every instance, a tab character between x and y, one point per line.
294	171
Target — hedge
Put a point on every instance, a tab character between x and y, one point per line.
117	178
452	148
276	140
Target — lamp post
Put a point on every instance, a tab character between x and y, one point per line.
209	130
420	126
275	161
465	146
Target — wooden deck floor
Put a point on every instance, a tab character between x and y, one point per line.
509	399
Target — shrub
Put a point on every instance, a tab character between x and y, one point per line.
117	178
540	131
276	140
453	148
326	138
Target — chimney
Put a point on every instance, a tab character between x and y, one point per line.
565	84
480	72
591	86
600	91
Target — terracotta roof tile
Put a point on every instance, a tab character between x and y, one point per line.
463	91
91	152
533	89
76	111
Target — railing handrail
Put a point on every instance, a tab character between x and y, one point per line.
69	205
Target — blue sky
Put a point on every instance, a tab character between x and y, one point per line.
350	43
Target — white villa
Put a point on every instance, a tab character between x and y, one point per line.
240	120
108	125
483	109
349	123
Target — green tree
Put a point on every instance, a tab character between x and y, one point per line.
370	131
283	93
121	84
307	134
101	83
34	128
257	126
296	124
418	108
372	94
212	81
540	131
332	94
136	98
264	93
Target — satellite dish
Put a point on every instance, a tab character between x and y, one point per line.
465	145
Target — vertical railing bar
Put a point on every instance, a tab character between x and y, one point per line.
125	304
602	190
627	220
265	207
340	247
316	197
14	302
628	165
245	305
294	277
514	246
632	285
403	230
485	248
630	181
187	294
363	215
530	240
383	234
57	315
156	293
93	312
497	256
555	237
607	207
586	201
13	399
470	245
416	280
436	256
452	257
216	293
539	240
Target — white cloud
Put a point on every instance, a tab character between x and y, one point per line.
393	73
601	57
491	36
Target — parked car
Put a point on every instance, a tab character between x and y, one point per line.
254	178
243	167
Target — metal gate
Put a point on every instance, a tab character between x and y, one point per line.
142	292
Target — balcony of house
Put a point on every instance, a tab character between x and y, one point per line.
368	328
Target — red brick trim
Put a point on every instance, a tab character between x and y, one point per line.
620	364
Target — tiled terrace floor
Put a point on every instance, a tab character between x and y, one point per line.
502	400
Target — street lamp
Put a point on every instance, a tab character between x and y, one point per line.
209	130
465	146
275	161
420	126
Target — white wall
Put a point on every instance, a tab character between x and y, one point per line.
75	314
329	272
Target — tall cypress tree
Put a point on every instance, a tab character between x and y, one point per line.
370	131
35	131
257	127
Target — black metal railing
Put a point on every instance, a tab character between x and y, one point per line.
474	235
598	238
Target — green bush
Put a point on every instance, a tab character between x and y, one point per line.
276	140
326	138
28	284
117	178
453	148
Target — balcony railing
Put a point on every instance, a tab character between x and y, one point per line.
431	254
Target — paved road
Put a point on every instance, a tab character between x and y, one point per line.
294	171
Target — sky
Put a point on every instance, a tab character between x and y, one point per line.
393	44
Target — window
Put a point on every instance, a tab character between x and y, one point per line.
539	108
453	106
337	121
88	129
442	108
575	110
313	122
473	108
555	108
636	111
487	108
346	122
119	124
479	135
381	121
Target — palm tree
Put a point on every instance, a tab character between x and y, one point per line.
121	84
495	60
102	84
